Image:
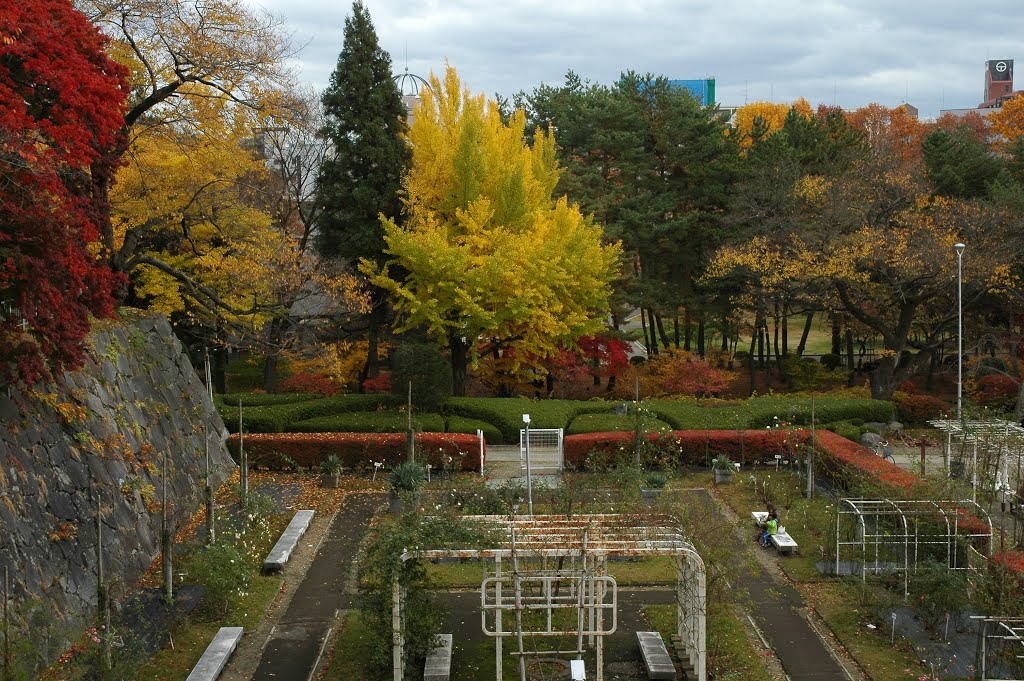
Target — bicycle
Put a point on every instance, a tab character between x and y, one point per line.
883	450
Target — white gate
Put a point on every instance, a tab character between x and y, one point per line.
544	448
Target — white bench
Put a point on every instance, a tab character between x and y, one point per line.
438	665
783	542
282	550
212	663
657	661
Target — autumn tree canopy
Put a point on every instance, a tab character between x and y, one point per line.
360	179
486	259
63	106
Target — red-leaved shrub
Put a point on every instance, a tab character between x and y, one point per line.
917	409
995	390
358	450
377	386
310	383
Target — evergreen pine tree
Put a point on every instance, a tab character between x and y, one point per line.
361	178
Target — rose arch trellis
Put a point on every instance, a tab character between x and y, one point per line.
879	536
548	564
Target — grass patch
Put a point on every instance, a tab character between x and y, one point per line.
192	637
731	654
837	604
351	649
469	573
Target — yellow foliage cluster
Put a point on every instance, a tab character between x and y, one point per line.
1008	121
489	255
340	362
771	114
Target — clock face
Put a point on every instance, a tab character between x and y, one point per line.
1001	69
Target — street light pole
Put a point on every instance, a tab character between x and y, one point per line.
529	476
959	248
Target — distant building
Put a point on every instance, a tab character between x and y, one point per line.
998	89
703	89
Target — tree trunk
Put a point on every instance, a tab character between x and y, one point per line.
654	333
460	362
661	331
220	361
375	322
750	355
929	383
700	335
806	332
686	329
849	358
647	337
270	372
785	329
675	327
725	334
760	346
836	334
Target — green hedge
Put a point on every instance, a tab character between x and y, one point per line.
506	413
279	418
368	422
759	412
603	423
265	399
461	424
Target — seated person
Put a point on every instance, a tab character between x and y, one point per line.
771	527
769	510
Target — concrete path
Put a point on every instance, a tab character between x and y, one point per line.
295	643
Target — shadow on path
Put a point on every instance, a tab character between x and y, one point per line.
295	643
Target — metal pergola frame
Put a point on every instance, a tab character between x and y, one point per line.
993	628
587	541
1000	440
903	538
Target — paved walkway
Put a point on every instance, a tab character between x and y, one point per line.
295	643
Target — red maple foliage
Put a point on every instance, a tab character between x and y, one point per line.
63	105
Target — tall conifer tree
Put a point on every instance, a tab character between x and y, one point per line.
361	178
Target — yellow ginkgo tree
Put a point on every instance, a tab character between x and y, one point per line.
487	259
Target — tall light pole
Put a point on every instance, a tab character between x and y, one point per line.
959	248
529	476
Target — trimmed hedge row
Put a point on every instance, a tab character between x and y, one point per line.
759	412
693	447
851	459
604	423
506	413
460	424
278	418
368	422
504	416
266	399
357	450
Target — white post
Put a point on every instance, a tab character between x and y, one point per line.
959	248
529	474
397	653
480	434
497	617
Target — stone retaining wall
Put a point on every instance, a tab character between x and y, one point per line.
104	430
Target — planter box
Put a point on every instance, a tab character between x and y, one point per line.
722	476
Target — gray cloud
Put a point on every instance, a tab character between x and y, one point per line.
851	52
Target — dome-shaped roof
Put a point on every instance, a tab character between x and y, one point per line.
409	83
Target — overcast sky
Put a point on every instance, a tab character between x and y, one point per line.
849	52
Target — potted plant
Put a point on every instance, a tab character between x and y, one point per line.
652	485
724	469
330	471
406	479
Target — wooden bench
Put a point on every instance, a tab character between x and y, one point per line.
438	665
282	550
783	542
212	663
657	661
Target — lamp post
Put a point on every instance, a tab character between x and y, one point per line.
959	248
529	476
